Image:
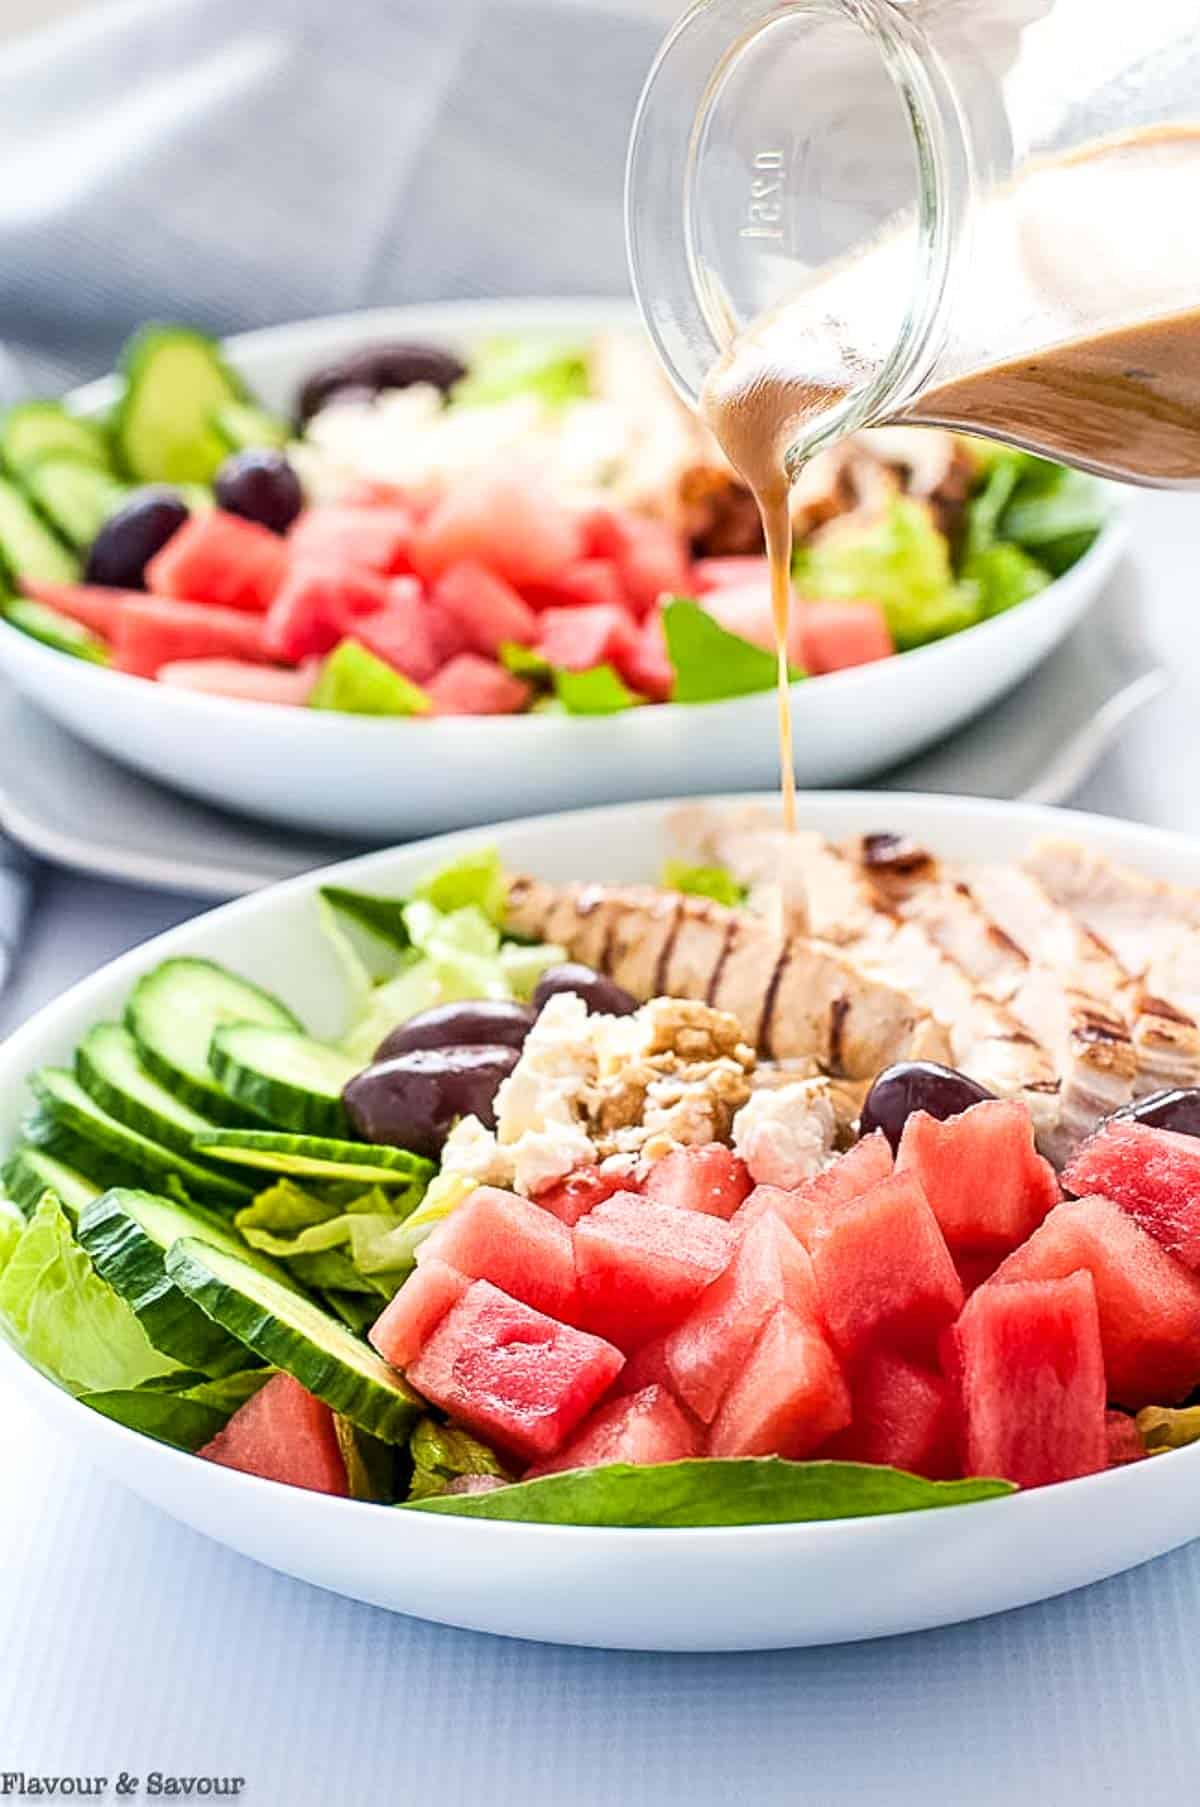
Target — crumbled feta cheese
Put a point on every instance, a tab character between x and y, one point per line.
785	1136
472	1150
541	1157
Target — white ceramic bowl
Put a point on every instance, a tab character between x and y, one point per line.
380	780
706	1589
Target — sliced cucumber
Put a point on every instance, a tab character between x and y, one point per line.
314	1157
175	380
245	427
33	431
173	1014
292	1333
127	1235
108	1067
30	1171
55	629
27	546
132	1155
284	1077
75	498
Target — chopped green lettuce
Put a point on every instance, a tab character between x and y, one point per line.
553	370
353	681
711	664
344	1247
1002	573
12	1225
370	1463
596	692
446	1192
187	1411
716	882
525	662
442	1453
524	963
65	1318
1054	515
898	559
453	956
1165	1427
476	879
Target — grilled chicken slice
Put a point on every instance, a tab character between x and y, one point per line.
1151	930
793	996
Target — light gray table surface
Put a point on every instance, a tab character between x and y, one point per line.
129	1642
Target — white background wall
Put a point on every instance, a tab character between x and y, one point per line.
24	15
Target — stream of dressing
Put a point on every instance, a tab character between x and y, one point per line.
1103	231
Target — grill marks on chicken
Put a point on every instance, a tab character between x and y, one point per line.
793	995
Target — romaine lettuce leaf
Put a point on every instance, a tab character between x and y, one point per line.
354	682
1003	576
187	1415
553	370
346	1248
596	692
1166	1427
523	964
716	882
446	1192
12	1225
65	1318
370	1463
711	664
455	956
898	559
1054	514
475	879
442	1453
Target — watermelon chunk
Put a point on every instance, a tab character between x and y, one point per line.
747	612
884	1274
707	1178
471	685
642	1264
708	1350
789	1398
1028	1363
410	632
647	664
580	639
152	632
497	1236
651	557
736	573
515	1376
988	1185
319	605
404	1327
585	582
1154	1174
509	525
283	1434
1148	1303
974	1268
92	605
487	610
803	1208
837	635
1123	1439
238	678
903	1418
643	1427
370	538
222	559
647	1367
574	1197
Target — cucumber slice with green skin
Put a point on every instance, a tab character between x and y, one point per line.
292	1333
284	1077
33	431
27	546
175	380
314	1157
245	427
127	1235
56	630
31	1171
108	1067
173	1014
75	498
69	1108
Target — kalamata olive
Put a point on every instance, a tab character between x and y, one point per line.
1178	1110
917	1085
479	1022
260	486
414	1100
129	538
602	995
385	365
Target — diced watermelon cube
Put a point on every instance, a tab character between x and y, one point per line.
1154	1174
283	1434
318	606
580	639
837	635
646	665
370	538
729	573
473	685
1027	1359
707	1178
641	1265
1123	1439
884	1273
708	1350
903	1418
802	1208
410	633
92	605
789	1398
497	1236
747	612
644	1427
238	678
974	1268
1148	1303
574	1197
510	525
220	558
488	610
404	1326
650	555
647	1367
579	585
515	1376
152	632
988	1185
